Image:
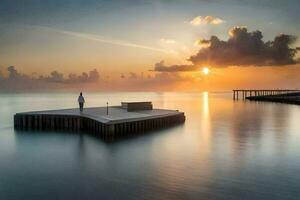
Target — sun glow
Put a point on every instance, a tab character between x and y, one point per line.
205	70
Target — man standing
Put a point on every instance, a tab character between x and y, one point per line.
81	102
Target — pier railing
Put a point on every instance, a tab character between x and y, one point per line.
243	94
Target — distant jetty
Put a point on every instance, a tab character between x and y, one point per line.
280	96
113	121
290	98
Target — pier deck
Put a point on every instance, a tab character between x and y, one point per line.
118	122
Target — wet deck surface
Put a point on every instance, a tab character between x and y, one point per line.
116	114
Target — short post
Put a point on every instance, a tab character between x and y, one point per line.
106	108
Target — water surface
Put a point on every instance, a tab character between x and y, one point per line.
225	150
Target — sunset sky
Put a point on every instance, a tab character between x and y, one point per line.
161	44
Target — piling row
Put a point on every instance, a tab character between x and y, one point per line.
47	122
244	94
80	123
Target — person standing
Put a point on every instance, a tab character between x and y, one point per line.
81	102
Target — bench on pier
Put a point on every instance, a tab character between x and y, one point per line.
134	106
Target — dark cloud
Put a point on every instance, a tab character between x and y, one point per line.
93	75
54	77
164	81
133	75
161	67
13	74
243	48
58	77
14	79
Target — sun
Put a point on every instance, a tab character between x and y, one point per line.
205	70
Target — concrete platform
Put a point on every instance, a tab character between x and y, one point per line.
115	114
118	121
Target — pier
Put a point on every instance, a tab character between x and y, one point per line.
245	94
108	122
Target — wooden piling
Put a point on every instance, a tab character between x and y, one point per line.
250	93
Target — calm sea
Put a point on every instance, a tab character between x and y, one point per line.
225	150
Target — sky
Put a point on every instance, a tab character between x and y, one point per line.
149	44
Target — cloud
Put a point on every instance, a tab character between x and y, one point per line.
167	41
14	75
199	20
54	77
161	67
102	39
202	43
91	76
242	48
12	80
245	48
163	81
133	75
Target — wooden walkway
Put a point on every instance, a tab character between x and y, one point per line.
119	122
243	94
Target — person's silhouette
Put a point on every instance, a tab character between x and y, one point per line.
81	102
